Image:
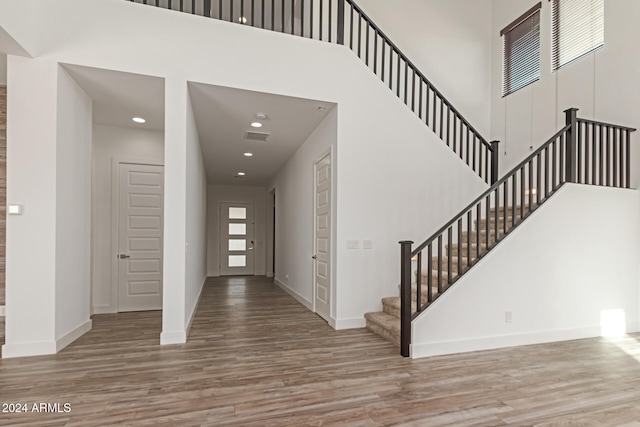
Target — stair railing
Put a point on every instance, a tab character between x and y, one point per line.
584	151
344	22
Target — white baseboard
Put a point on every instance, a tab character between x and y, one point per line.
195	308
3	311
496	342
353	323
104	309
169	338
302	300
28	349
73	335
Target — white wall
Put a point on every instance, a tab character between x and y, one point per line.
73	210
30	292
294	188
450	42
217	194
604	85
196	216
113	144
554	291
395	180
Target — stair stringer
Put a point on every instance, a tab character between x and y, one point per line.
568	266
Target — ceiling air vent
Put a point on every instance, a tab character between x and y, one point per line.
256	136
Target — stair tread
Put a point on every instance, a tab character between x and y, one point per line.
385	320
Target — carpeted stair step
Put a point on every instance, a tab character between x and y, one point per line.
385	325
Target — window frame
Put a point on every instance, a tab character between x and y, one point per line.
510	85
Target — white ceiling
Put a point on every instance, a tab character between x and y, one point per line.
222	115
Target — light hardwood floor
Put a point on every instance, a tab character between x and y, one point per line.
256	357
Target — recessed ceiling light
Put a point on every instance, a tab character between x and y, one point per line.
256	124
261	116
139	120
248	154
242	20
241	174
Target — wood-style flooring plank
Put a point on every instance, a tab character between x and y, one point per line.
257	358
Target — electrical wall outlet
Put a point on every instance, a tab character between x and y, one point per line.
508	317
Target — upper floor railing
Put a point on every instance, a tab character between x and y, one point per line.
344	22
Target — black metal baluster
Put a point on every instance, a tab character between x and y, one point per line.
383	57
330	19
302	18
439	264
449	260
607	170
193	7
448	124
242	17
505	209
475	150
478	228
614	180
351	27
375	52
578	161
459	266
601	156
231	10
621	150
594	155
546	172
413	90
406	82
586	154
538	177
530	183
398	76
514	198
359	36
441	116
219	10
420	96
468	145
419	282
496	212
455	132
430	273
282	16
486	223
426	104
628	158
562	165
554	163
469	225
320	26
522	179
435	112
293	14
311	19
391	50
366	58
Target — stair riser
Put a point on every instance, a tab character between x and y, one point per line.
387	334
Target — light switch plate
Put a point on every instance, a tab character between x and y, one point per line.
15	209
367	244
353	244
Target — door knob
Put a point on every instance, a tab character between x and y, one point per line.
123	256
315	257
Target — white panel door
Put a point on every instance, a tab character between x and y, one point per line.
237	239
140	237
322	238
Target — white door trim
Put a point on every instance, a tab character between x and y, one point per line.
115	198
332	244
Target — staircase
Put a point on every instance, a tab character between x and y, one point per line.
386	323
583	152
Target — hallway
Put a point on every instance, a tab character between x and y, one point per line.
255	357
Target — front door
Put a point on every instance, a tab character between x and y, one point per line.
322	238
140	216
236	239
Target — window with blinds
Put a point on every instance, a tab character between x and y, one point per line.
521	51
577	29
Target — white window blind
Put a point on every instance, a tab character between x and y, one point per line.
577	29
521	51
